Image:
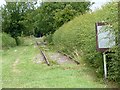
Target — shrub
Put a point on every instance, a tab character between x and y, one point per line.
79	34
20	41
26	41
48	38
7	41
114	65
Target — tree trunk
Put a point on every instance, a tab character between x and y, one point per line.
17	41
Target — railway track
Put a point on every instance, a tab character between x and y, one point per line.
43	54
77	62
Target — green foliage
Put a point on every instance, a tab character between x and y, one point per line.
64	15
26	41
7	41
79	34
20	40
51	15
29	40
11	19
48	38
22	18
114	65
15	19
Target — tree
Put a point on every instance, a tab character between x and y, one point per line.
23	18
14	16
52	15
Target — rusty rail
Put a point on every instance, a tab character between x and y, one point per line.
77	62
43	54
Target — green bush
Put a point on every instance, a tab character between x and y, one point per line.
26	41
48	38
20	41
79	34
114	65
7	41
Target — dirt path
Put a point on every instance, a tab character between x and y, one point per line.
17	62
59	58
15	69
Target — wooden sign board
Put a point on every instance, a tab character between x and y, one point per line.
105	38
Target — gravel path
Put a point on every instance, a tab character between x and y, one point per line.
59	58
52	56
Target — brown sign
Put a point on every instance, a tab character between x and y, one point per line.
105	38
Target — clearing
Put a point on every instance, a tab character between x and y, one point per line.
23	67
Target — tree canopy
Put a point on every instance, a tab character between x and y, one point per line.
23	18
14	15
52	15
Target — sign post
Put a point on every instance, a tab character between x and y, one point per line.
105	68
105	39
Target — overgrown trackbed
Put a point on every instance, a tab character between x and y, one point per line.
51	56
24	66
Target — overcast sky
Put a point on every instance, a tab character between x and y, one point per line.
98	3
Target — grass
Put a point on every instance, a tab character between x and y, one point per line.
0	69
19	71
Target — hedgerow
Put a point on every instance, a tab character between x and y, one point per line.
79	35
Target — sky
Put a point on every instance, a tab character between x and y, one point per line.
98	3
